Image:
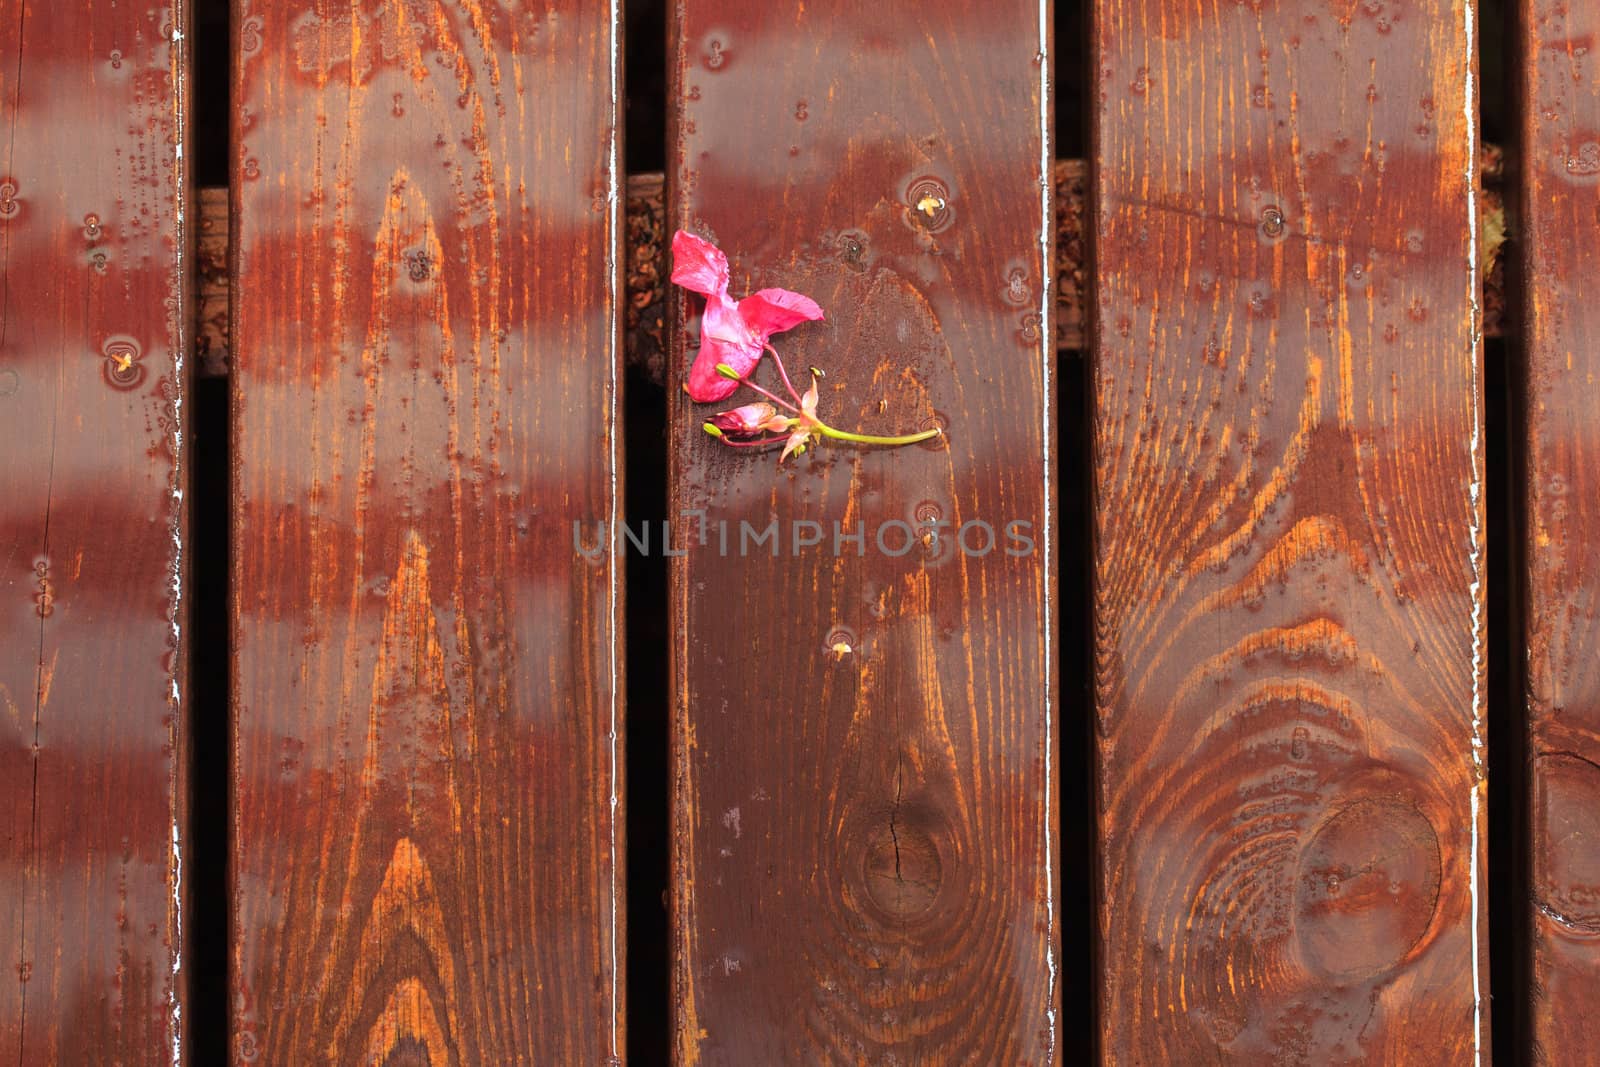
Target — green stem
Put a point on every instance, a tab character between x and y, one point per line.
873	439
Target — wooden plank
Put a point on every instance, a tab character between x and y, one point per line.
93	329
1560	220
1288	549
865	803
428	852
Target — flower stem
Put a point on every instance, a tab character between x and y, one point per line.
784	374
770	396
759	442
873	439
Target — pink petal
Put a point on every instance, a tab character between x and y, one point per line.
723	339
698	265
770	311
746	419
751	416
797	441
705	385
808	402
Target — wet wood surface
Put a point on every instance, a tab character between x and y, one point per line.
864	822
1289	561
93	335
427	856
648	266
1561	330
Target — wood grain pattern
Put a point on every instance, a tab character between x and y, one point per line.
1288	549
427	856
1561	323
865	817
93	328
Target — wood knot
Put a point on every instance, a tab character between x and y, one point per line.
1367	886
408	1052
903	872
1567	855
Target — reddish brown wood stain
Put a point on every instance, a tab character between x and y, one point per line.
1561	217
1288	558
427	853
93	327
865	807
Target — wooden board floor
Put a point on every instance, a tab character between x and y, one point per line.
354	717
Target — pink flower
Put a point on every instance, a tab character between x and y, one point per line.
731	333
749	421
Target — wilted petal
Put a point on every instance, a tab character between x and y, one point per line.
705	385
748	420
770	311
723	339
698	265
808	402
